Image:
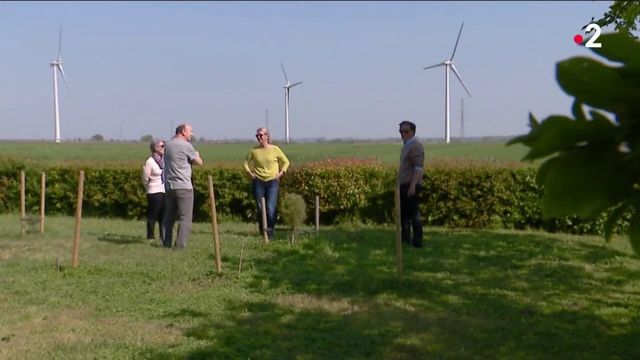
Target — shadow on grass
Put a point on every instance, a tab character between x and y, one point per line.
121	239
464	295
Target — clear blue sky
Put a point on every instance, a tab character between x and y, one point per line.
137	68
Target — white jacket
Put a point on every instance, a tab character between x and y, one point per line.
152	177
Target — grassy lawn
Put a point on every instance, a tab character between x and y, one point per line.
136	153
466	294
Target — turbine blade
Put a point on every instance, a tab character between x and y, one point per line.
458	39
285	73
60	43
66	84
298	83
455	71
432	66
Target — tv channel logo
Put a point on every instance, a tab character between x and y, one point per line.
591	43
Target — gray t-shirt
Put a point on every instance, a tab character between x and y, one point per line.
178	155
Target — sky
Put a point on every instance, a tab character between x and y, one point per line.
137	68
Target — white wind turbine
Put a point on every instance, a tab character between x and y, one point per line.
448	65
287	86
56	65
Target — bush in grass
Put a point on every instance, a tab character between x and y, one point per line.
293	211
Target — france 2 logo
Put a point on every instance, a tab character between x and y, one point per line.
591	43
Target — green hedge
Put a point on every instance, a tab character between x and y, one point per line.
456	194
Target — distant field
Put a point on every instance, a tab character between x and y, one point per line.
136	152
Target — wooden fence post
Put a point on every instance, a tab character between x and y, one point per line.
317	214
76	233
265	236
398	232
23	215
214	227
42	201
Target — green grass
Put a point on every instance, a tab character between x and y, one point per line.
466	294
129	152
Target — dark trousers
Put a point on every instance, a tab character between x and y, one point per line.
410	216
268	190
155	213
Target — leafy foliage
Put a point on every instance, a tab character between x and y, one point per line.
293	210
594	164
457	194
624	14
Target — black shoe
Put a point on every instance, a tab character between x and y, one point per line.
416	244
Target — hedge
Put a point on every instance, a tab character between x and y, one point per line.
456	194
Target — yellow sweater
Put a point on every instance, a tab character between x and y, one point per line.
266	163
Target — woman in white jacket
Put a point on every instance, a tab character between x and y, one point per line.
153	180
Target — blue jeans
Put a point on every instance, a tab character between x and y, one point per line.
268	190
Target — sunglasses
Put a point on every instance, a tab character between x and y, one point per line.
405	131
260	135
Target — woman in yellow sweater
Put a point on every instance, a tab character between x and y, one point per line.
266	164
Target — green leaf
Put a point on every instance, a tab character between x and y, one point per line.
619	47
596	84
577	111
559	133
533	124
584	181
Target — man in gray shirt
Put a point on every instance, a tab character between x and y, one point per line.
410	181
179	155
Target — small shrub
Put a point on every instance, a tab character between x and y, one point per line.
293	211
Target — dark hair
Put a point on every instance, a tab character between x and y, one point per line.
180	128
411	125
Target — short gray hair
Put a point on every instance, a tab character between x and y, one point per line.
155	143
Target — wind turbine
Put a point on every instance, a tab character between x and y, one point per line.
448	65
287	86
56	65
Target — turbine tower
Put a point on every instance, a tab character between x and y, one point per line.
287	87
56	65
448	65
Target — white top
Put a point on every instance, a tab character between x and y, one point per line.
152	177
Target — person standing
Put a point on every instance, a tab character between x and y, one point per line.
179	156
153	181
410	181
266	164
